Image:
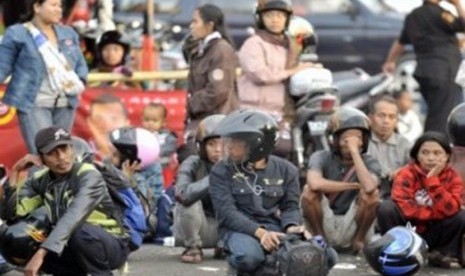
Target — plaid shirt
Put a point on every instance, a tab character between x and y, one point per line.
444	190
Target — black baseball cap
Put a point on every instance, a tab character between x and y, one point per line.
49	138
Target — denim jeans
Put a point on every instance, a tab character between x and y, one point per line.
40	117
245	252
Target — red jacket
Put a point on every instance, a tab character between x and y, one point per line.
445	191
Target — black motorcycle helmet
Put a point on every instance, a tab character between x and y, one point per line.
456	125
113	37
348	118
20	241
268	5
400	251
257	129
205	132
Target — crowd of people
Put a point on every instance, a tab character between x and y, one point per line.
232	192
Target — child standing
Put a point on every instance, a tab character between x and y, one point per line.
409	124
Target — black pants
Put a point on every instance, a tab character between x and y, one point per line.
443	235
91	250
441	97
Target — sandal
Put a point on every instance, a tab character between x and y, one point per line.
435	258
192	255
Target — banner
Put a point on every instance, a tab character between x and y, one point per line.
13	147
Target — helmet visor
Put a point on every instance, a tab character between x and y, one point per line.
236	150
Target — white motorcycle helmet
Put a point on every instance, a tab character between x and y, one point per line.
310	80
301	30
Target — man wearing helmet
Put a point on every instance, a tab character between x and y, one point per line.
341	195
456	130
87	236
255	195
194	218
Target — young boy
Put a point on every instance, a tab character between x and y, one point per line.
408	124
154	120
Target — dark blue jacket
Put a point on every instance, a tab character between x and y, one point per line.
238	209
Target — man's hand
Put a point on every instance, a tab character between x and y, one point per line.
270	240
389	67
26	162
33	266
353	143
298	229
129	169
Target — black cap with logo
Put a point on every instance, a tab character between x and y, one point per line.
49	138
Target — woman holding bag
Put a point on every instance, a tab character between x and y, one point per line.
47	70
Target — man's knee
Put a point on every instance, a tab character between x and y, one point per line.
309	197
245	252
370	201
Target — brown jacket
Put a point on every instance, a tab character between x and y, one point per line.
212	81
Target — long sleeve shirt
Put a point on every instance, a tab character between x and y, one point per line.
445	192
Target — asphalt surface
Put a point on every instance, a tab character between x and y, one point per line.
164	261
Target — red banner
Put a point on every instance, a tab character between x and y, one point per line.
12	146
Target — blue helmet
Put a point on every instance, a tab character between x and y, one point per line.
400	251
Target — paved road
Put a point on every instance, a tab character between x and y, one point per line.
163	261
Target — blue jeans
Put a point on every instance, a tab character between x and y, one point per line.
245	252
40	117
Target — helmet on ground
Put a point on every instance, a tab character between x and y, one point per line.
259	130
456	125
348	118
113	37
82	150
20	241
136	144
268	5
205	132
400	251
301	30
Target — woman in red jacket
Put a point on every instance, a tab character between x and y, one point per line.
427	193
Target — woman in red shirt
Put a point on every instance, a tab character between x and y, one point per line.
428	194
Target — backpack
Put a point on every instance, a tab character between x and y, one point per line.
128	203
297	256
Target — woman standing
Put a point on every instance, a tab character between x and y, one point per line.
268	59
213	63
47	70
428	194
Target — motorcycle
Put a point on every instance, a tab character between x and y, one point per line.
314	109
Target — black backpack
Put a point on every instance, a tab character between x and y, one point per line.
298	256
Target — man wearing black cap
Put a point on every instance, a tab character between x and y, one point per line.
86	236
